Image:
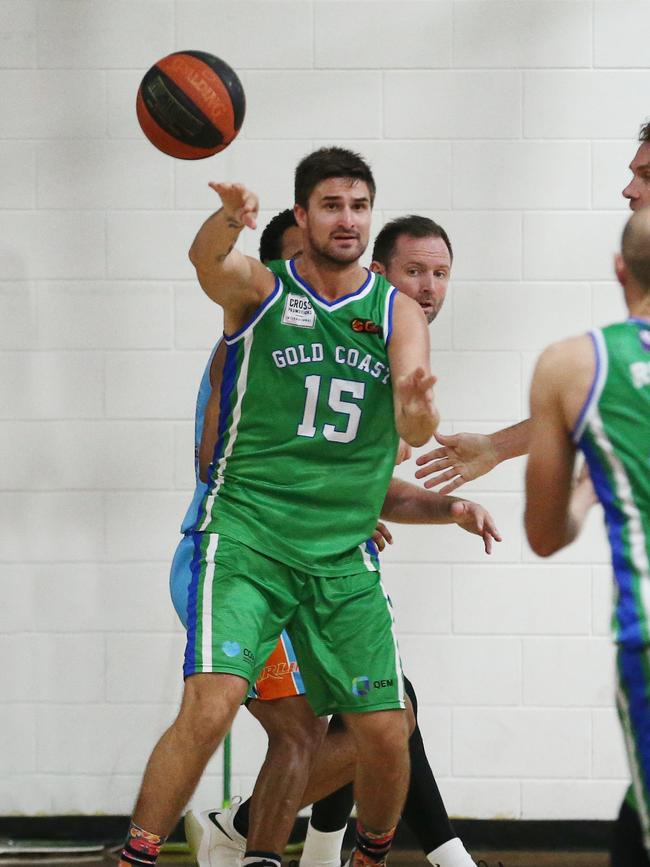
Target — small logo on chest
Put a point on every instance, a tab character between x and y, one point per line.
298	311
366	326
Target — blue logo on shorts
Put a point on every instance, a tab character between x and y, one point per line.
361	685
231	648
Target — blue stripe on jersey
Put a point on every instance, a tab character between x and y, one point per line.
228	384
634	682
291	656
625	608
258	313
587	404
389	330
296	276
192	596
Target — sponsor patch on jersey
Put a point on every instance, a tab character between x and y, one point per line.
367	326
298	311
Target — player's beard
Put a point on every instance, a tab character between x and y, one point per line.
323	253
436	306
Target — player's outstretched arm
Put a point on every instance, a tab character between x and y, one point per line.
416	417
230	278
551	519
406	503
466	456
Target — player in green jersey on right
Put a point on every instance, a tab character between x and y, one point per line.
326	367
592	393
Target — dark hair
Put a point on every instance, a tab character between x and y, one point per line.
635	248
644	132
271	238
332	162
412	225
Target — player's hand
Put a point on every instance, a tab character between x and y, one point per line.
239	204
404	452
463	457
415	398
475	519
382	535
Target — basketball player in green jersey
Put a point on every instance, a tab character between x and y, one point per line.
415	254
326	367
592	393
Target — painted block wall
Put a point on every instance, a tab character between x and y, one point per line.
511	123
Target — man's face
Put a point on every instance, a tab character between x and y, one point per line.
336	224
291	245
638	190
420	268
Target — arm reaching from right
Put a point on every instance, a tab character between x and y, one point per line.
235	281
466	456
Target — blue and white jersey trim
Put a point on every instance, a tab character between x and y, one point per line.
600	378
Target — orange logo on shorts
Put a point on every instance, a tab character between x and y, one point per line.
278	670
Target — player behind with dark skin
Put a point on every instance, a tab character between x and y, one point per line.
334	195
218	837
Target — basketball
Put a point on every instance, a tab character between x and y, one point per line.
191	105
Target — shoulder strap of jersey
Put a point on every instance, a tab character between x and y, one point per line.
597	385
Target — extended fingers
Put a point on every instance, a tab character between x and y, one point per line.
431	456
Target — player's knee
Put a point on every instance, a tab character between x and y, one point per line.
290	723
383	733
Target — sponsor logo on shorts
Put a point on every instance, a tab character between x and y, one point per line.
249	655
361	685
278	671
231	648
366	326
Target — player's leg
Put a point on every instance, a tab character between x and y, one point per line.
329	815
633	704
424	811
627	849
352	667
295	734
219	837
235	613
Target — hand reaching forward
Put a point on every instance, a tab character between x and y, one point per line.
463	457
419	418
475	519
239	204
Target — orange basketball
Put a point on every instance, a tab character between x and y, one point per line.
191	105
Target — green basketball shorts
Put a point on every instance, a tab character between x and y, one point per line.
341	628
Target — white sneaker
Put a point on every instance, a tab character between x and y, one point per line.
212	837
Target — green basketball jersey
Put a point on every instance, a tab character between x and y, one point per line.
307	438
613	431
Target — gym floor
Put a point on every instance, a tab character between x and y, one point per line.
399	858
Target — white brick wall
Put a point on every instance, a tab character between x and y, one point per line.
510	123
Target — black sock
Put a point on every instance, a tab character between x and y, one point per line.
332	813
627	840
424	811
242	817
